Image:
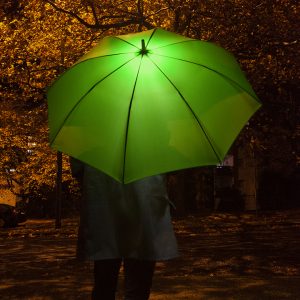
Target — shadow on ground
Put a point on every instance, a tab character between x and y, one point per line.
223	256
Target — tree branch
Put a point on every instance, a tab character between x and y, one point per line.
97	25
94	12
157	12
140	9
82	21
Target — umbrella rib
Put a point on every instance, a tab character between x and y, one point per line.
151	36
213	70
91	88
116	37
125	41
191	110
175	43
100	56
128	120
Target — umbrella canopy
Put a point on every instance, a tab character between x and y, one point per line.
148	103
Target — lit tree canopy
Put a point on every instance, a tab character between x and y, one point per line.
42	38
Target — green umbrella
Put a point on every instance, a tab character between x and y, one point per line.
148	103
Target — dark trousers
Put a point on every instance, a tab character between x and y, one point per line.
138	278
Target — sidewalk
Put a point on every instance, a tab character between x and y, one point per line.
223	256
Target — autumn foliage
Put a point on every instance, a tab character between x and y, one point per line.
41	38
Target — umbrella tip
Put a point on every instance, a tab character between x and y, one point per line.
143	50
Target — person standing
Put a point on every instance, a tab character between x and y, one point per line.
123	223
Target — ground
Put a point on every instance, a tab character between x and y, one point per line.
223	256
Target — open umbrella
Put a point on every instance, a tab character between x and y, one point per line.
148	103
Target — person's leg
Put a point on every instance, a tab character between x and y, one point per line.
105	279
138	278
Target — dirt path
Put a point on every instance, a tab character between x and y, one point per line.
223	256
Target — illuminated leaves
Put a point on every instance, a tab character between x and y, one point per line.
41	38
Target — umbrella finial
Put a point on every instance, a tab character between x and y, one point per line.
143	50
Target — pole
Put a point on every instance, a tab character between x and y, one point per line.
58	189
59	154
